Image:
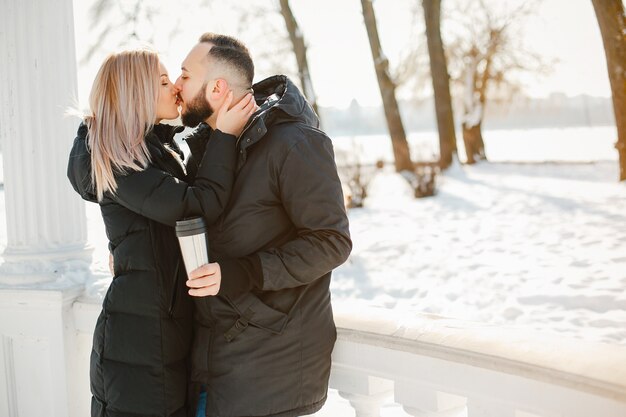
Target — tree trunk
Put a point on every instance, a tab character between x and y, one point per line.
387	91
299	49
480	144
473	112
477	131
467	141
441	82
474	144
470	139
612	21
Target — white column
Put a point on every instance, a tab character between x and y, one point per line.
46	224
47	258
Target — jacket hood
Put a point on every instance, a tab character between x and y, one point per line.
79	164
281	101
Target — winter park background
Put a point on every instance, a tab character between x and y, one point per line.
533	238
533	244
481	292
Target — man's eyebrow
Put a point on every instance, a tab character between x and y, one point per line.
184	69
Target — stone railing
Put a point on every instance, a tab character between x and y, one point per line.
423	364
432	366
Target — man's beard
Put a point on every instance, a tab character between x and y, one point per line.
198	109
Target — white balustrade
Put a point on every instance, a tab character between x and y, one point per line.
430	367
421	400
449	368
364	392
40	371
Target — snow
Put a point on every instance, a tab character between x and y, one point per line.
534	238
530	243
539	246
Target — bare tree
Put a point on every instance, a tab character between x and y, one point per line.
441	82
261	25
260	20
387	91
300	50
612	22
134	23
410	70
136	16
486	53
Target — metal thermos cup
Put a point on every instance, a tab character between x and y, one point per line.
192	237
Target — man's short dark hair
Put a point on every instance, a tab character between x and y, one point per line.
231	51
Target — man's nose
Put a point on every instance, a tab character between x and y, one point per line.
178	84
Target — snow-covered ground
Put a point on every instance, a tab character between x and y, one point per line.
538	245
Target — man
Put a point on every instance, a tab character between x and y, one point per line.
264	329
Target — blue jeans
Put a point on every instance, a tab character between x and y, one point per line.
200	411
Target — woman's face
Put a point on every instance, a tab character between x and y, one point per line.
167	104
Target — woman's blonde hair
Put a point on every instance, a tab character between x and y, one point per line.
123	103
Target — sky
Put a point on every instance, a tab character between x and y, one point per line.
564	31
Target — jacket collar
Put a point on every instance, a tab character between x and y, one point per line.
163	133
160	141
197	139
280	101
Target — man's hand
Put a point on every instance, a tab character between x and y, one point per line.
205	281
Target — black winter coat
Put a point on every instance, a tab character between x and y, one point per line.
267	351
139	360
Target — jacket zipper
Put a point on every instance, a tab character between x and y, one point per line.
174	290
245	129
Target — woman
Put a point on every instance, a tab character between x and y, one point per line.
126	161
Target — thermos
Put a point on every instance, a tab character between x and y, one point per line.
194	246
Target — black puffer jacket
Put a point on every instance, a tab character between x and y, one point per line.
139	360
262	347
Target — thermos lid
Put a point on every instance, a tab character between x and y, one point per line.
190	227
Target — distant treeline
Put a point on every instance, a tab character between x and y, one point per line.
557	110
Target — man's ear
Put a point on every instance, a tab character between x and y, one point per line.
219	89
208	89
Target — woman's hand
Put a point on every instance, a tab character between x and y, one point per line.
233	120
